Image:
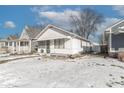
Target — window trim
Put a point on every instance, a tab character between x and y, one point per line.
59	43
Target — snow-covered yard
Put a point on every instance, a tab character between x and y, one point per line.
89	71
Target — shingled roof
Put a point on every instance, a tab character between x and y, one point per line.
32	31
12	37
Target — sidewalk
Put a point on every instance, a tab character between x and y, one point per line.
14	57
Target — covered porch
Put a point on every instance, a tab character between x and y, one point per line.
114	40
53	46
19	46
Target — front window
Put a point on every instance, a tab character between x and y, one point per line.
59	43
10	43
24	43
6	44
42	44
14	43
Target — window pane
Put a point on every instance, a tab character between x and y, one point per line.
6	44
14	43
59	43
10	43
42	44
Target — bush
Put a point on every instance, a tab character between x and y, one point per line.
74	56
113	55
121	56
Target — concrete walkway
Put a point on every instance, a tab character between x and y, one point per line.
15	57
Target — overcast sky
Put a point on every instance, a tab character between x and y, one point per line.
14	18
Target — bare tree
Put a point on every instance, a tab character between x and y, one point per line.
17	35
100	39
87	22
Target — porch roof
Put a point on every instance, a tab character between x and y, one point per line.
12	40
66	34
117	32
64	37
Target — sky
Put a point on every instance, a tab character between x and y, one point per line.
14	18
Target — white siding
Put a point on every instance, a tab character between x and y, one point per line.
71	45
67	49
2	47
76	45
11	48
80	46
51	34
24	35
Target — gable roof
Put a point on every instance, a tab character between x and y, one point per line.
120	21
12	37
32	32
62	30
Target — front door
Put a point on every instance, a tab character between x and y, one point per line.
48	46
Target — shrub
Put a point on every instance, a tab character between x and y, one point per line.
113	55
121	56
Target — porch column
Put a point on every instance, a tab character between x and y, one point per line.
110	40
4	44
8	47
52	46
13	47
30	46
19	47
103	38
8	44
16	47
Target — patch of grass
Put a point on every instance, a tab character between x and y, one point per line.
117	82
113	78
122	77
118	66
120	83
39	58
91	86
109	85
110	75
1	62
8	60
100	64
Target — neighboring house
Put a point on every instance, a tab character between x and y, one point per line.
96	47
8	45
27	39
11	44
26	43
12	37
3	48
51	40
55	40
114	37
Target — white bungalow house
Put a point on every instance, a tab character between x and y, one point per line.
55	40
3	48
22	45
10	45
114	37
27	40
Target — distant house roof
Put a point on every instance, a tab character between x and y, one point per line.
32	32
116	23
12	37
3	40
62	30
